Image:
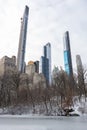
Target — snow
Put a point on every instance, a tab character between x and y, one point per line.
80	107
29	121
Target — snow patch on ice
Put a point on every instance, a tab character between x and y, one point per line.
80	106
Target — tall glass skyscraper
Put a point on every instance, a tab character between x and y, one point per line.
45	62
67	54
22	41
44	67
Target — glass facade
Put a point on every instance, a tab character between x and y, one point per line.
44	67
66	61
67	54
45	62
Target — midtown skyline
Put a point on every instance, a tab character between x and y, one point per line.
48	21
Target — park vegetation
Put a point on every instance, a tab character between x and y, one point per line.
51	99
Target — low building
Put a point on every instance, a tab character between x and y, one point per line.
39	80
8	65
30	68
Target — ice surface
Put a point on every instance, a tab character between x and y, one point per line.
42	123
39	122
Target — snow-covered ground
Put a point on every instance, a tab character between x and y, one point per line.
42	123
80	107
29	121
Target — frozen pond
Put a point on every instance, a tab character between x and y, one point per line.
43	123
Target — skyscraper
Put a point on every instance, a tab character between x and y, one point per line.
22	41
36	66
79	70
44	67
45	62
67	54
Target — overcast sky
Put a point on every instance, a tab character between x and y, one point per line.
48	20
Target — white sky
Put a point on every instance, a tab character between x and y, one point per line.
48	20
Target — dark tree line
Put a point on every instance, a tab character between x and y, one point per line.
59	96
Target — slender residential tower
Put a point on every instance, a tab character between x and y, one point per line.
80	70
22	41
67	55
47	53
45	62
